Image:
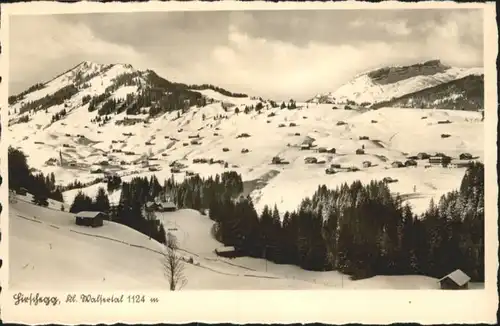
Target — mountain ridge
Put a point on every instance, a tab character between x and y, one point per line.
385	83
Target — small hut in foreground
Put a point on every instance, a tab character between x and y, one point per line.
456	280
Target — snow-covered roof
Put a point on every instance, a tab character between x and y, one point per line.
88	214
459	277
168	205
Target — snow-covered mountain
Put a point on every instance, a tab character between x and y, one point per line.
393	82
95	119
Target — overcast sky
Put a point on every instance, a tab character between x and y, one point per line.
274	54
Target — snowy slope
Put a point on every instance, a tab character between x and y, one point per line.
48	251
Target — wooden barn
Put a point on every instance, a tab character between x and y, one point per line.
423	156
456	280
167	207
151	206
22	191
411	163
90	218
439	160
397	164
465	156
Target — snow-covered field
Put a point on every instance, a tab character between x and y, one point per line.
48	251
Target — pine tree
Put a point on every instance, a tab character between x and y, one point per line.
101	203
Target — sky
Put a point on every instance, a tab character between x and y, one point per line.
273	54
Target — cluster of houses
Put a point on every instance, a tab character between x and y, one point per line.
440	159
166	206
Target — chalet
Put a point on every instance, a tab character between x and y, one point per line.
397	164
322	150
175	170
276	160
459	163
243	135
330	170
360	151
90	218
367	164
225	149
22	191
292	124
341	123
363	138
439	160
195	142
456	280
164	154
444	121
465	156
151	206
389	180
66	145
305	146
281	125
331	150
185	144
153	168
95	169
423	156
352	169
374	121
445	135
194	136
411	163
245	150
297	134
148	143
310	160
167	207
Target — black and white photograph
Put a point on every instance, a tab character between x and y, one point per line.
247	150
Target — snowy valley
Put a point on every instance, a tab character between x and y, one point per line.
405	126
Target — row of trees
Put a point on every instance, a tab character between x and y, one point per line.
57	98
59	115
363	230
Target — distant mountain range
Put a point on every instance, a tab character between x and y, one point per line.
428	84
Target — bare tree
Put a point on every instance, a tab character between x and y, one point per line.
150	217
173	264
